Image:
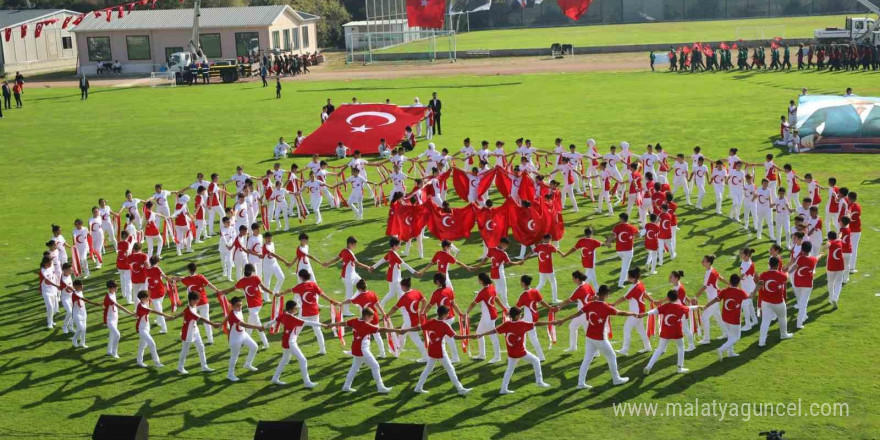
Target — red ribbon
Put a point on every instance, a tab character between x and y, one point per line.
264	215
227	309
464	328
277	305
392	342
76	264
551	329
336	316
173	295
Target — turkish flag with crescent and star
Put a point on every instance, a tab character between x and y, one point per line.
452	225
426	13
528	224
463	181
492	223
360	127
411	219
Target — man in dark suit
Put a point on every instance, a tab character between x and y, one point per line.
330	107
435	106
83	88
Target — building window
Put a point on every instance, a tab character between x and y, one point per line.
171	51
138	47
287	39
66	43
295	35
210	45
276	40
305	37
246	43
99	48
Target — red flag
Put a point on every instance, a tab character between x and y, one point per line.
551	329
734	46
426	13
464	328
173	295
7	34
38	30
131	6
453	225
66	21
573	9
527	224
360	127
153	4
462	182
226	307
24	30
277	309
97	13
492	223
108	14
75	266
412	219
121	11
336	316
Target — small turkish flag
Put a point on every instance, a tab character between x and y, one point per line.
23	30
66	21
426	13
38	30
573	9
360	127
79	19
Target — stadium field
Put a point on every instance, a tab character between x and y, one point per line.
640	33
62	154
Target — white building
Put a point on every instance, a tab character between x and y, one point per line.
55	49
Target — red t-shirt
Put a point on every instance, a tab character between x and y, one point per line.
155	284
731	304
624	235
367	300
515	337
666	225
637	293
530	299
443	259
122	255
635	183
393	261
308	292
435	332
773	289
597	313
845	235
409	303
498	258
142	314
190	318
361	331
671	315
487	296
835	256
251	287
545	257
347	259
443	297
588	248
855	214
652	233
803	274
138	263
196	283
583	294
290	323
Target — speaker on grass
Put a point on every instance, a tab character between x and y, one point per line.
121	428
401	431
286	430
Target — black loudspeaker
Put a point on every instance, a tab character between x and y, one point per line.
401	431
121	428
288	430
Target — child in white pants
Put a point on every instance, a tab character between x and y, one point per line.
486	299
142	312
65	292
49	285
190	334
111	319
436	331
238	338
292	327
360	349
79	314
514	332
674	320
772	285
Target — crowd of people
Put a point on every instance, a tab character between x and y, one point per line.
832	57
643	189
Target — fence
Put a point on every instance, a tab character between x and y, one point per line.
410	45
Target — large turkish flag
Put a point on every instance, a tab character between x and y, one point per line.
492	223
426	13
453	225
360	127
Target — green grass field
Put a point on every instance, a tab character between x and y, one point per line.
62	154
624	34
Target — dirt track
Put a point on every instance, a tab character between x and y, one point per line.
335	69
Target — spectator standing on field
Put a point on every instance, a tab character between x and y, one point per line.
7	95
277	88
264	72
16	91
329	107
83	88
19	80
435	106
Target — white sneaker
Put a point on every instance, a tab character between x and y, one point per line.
464	391
232	378
278	382
349	390
690	349
647	371
682	370
733	355
583	386
421	360
543	385
720	355
494	360
421	390
182	371
621	381
621	352
505	392
384	390
142	365
310	385
159	365
250	368
645	350
786	336
569	350
207	369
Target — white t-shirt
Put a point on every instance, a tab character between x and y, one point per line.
680	171
281	149
700	173
357	185
239	180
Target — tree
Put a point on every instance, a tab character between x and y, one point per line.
333	15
